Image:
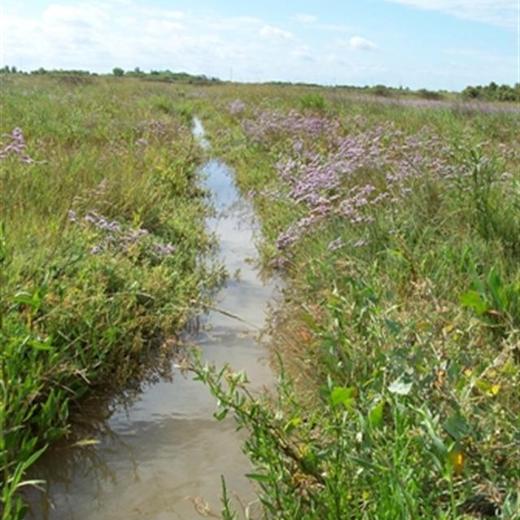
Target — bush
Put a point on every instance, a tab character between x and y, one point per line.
493	92
313	101
429	94
381	90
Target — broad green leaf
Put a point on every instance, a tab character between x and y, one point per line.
31	300
375	416
487	388
292	424
473	300
221	414
39	345
258	477
342	395
393	326
457	426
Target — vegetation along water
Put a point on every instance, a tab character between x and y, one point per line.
102	229
394	224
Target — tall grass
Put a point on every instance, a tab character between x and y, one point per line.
101	232
399	338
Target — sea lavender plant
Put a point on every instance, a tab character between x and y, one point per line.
322	168
117	237
16	147
236	107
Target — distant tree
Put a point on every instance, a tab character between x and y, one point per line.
118	71
471	92
429	94
381	90
13	70
493	92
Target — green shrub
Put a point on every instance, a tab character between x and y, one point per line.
313	101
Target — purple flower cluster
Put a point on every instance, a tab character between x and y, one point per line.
157	128
101	223
236	107
331	170
118	238
339	244
297	230
154	129
268	124
17	147
422	103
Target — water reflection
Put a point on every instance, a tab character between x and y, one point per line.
159	448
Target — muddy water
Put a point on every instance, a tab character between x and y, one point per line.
161	457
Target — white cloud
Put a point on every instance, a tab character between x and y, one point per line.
128	33
274	33
305	18
99	35
496	12
303	53
334	27
361	44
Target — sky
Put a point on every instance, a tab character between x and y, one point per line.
435	44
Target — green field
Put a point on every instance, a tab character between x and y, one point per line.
395	226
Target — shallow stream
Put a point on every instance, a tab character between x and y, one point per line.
161	457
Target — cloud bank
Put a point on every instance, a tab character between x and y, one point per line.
362	44
497	12
99	35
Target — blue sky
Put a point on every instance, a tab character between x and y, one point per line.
418	43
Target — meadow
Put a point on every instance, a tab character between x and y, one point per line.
397	230
102	230
395	227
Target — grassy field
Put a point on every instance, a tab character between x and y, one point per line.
397	230
395	227
101	234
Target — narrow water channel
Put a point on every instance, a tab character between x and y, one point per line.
161	458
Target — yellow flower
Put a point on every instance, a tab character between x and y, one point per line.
456	458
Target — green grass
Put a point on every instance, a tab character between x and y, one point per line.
399	350
399	393
81	306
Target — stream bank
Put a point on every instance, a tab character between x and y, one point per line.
161	457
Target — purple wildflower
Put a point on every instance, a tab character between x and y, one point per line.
120	238
164	249
17	147
326	169
336	244
236	107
